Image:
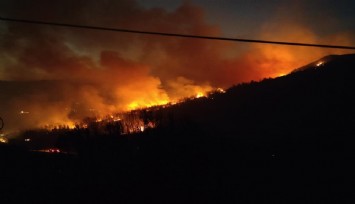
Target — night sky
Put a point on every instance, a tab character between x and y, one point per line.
246	18
115	71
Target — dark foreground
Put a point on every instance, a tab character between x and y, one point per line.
158	170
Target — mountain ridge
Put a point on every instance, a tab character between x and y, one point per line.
305	95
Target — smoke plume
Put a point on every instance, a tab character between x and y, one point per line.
58	75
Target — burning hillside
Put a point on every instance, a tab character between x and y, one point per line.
49	104
283	100
61	75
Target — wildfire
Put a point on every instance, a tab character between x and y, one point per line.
143	104
66	125
199	95
133	105
281	74
130	119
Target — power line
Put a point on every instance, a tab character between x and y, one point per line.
175	34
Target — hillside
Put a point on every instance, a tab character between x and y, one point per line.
283	140
313	100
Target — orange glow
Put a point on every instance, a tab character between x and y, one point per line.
133	105
58	124
133	123
199	95
146	104
3	140
281	74
97	74
220	90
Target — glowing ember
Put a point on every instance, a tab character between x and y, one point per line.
220	90
51	150
3	140
321	63
116	119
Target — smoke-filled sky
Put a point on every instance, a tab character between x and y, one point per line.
110	71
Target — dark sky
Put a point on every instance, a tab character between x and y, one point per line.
245	18
116	71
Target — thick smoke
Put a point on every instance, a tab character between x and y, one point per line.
67	74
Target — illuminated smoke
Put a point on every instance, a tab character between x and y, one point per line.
93	73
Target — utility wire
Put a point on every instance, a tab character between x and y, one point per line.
175	34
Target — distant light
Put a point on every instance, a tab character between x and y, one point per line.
27	139
24	112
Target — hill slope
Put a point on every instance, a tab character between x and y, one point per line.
314	100
284	140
